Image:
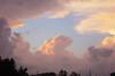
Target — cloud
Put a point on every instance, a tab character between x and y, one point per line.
16	24
5	33
99	59
83	7
90	5
109	42
98	53
104	49
54	52
101	23
20	10
11	42
57	43
99	17
16	11
44	61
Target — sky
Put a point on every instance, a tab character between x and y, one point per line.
38	30
49	35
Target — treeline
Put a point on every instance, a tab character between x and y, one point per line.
8	68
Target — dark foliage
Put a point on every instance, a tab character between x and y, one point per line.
62	73
7	68
46	74
74	74
112	74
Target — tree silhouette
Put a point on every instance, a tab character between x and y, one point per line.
74	74
62	73
8	68
23	71
46	74
113	74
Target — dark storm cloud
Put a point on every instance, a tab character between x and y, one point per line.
5	33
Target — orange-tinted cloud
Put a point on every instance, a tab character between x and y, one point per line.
103	22
109	42
55	44
16	24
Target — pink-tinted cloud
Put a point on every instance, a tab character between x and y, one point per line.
100	58
53	56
